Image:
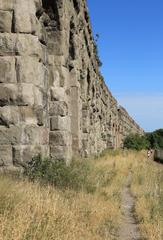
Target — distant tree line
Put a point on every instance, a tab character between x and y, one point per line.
153	140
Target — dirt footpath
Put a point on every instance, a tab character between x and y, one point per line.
129	228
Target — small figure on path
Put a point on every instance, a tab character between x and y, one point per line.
149	153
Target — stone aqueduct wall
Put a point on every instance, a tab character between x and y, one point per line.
53	99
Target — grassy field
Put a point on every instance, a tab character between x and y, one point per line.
34	211
147	187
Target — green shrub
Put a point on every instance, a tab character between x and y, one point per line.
156	139
136	142
57	173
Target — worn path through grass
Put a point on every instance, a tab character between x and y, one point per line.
129	228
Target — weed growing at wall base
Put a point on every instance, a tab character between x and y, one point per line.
57	173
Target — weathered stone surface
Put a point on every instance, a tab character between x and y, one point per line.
7	70
5	156
23	15
7	44
7	5
20	44
58	108
59	138
57	94
27	44
60	153
59	123
30	70
5	21
26	92
9	115
22	154
40	115
20	94
36	135
27	115
24	135
9	94
11	136
52	95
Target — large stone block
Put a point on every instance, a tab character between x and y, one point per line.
36	135
23	154
7	70
24	43
7	4
5	156
57	94
18	94
8	94
30	70
7	44
22	17
23	135
5	21
41	115
27	115
58	108
59	138
61	153
38	96
11	136
55	43
60	123
23	94
58	72
25	17
27	94
20	44
14	115
9	115
44	136
54	77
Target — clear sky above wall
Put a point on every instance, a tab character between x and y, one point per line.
131	49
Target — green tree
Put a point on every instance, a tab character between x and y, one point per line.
156	139
136	142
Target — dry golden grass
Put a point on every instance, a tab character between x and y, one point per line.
147	187
29	211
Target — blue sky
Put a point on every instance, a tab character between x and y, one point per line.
131	50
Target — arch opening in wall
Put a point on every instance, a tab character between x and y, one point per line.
86	16
88	82
93	91
76	6
72	51
87	45
51	9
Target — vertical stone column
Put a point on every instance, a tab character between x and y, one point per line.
54	22
59	111
23	84
75	112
